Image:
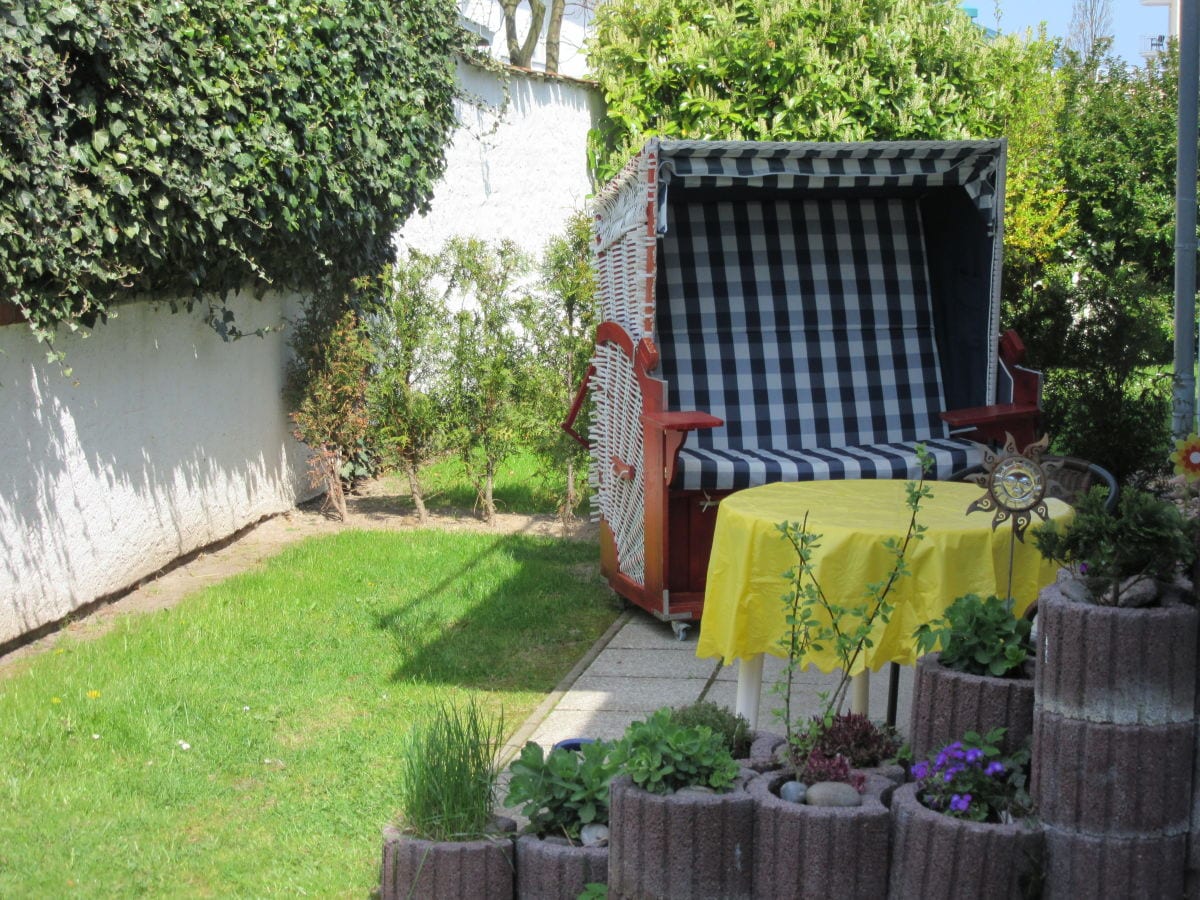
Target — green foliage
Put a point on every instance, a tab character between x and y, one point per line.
969	779
405	327
447	785
839	70
327	392
560	328
662	757
1148	538
733	729
563	790
815	622
488	380
979	637
171	148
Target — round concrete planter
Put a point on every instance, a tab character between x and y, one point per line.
465	870
553	869
937	857
682	845
947	704
763	756
815	851
1114	735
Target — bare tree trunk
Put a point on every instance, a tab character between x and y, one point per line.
418	492
1091	20
489	502
326	468
572	499
520	53
554	34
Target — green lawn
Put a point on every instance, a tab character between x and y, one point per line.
242	743
520	486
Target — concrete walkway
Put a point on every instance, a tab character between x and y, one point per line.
639	666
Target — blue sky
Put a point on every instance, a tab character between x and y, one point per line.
1131	21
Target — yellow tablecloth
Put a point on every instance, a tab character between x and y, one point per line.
960	554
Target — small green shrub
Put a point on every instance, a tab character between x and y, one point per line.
563	790
1148	538
979	637
662	757
448	773
733	729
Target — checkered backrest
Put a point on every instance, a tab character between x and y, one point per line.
802	322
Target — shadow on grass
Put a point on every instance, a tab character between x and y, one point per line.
514	616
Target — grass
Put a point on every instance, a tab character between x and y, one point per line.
245	742
520	486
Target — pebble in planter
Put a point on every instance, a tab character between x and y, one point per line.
966	837
449	844
1114	715
681	824
980	681
565	795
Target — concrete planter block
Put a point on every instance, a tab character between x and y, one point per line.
448	870
1105	868
763	756
947	704
1114	780
682	845
1109	664
936	857
814	851
552	869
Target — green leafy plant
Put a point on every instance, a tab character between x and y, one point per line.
563	790
968	779
184	150
977	636
448	772
1148	540
662	757
733	729
814	622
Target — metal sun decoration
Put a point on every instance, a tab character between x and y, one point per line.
1016	485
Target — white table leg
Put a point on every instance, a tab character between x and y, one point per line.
860	699
749	688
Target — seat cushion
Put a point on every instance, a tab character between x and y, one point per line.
725	470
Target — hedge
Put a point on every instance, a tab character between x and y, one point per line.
184	149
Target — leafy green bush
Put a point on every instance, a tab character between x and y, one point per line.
662	757
563	790
172	148
733	729
447	786
979	637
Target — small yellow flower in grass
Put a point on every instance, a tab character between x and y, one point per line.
1187	457
92	695
56	699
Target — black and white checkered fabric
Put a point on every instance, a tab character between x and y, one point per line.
806	325
973	165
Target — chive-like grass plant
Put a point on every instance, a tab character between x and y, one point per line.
448	773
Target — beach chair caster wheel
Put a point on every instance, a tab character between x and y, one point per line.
681	630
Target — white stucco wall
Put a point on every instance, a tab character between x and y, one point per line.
514	171
170	440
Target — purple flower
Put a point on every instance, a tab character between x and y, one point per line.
974	755
994	768
1083	568
920	770
960	802
952	771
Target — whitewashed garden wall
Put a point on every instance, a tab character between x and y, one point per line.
165	440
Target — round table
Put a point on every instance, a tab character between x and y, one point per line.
959	554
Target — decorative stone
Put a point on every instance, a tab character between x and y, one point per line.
696	789
594	835
833	793
793	791
819	851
